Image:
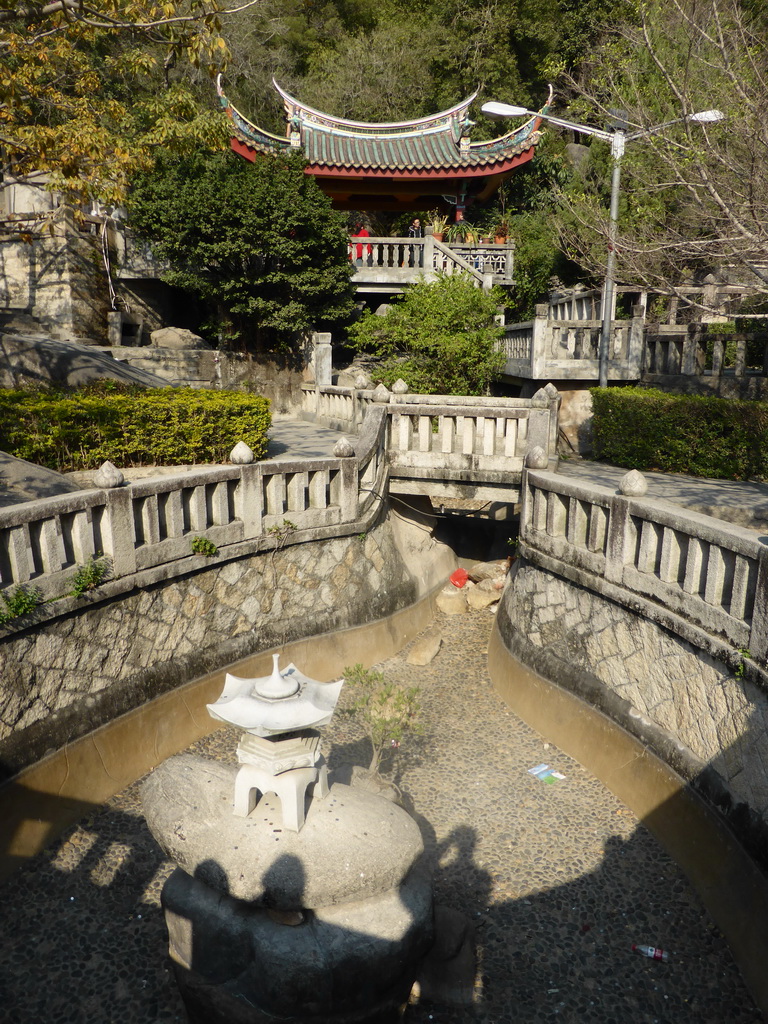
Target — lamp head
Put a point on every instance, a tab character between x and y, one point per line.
494	109
707	116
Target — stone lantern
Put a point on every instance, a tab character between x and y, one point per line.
279	750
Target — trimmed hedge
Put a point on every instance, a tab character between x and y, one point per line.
649	430
80	428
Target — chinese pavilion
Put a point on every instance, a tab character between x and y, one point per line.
405	165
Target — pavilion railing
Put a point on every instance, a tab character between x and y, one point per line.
402	260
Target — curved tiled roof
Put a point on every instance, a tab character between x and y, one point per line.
438	143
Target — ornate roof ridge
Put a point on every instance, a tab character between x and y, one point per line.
295	108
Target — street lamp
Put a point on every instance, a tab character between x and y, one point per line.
618	138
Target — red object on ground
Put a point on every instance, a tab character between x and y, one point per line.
459	578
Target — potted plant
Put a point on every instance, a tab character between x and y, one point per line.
438	223
501	230
462	231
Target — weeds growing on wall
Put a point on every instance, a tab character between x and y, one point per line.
712	437
130	426
20	601
91	575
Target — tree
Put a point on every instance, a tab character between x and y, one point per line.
259	242
441	337
88	93
694	196
387	710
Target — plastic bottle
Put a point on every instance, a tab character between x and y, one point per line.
652	952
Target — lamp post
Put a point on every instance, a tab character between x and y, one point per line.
618	138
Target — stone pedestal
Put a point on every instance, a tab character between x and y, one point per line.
323	926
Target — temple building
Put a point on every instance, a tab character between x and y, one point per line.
402	166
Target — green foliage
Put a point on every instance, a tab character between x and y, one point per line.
81	428
387	711
281	531
259	242
89	94
92	574
710	437
20	601
440	337
203	546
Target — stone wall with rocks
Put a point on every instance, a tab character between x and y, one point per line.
707	722
68	676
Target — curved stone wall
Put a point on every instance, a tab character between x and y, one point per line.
673	732
705	722
68	676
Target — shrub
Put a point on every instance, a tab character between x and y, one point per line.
387	711
440	337
712	437
67	429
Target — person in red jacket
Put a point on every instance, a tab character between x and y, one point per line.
362	232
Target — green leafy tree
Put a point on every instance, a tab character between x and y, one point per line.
259	242
88	92
441	337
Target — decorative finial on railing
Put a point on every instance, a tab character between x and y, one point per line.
400	387
380	393
536	458
241	454
633	484
108	475
343	448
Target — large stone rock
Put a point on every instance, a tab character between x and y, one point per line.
452	600
487	570
177	337
425	649
352	845
483	596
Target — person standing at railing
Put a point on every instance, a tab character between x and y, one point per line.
362	232
416	231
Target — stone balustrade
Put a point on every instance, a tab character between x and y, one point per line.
444	444
150	524
701	578
395	262
551	347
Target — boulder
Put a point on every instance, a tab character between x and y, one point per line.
452	601
353	845
177	337
487	570
481	597
425	649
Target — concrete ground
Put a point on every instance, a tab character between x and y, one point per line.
559	880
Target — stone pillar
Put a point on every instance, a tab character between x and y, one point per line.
115	329
322	359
